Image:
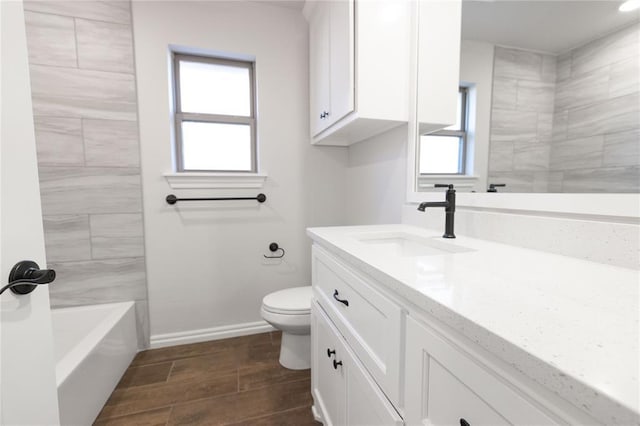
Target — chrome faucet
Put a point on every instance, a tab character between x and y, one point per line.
449	208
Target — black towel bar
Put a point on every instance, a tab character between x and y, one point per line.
172	199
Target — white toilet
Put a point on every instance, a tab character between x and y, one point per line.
289	310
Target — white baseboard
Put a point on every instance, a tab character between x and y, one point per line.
206	334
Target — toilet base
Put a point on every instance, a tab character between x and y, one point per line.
295	351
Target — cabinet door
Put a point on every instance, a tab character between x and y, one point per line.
446	386
342	60
319	67
327	382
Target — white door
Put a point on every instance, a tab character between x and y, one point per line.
27	372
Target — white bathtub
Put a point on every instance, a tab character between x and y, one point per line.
94	345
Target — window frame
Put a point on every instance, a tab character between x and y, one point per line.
180	116
462	134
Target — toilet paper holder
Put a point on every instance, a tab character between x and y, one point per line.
274	247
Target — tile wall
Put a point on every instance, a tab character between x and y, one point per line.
568	123
85	113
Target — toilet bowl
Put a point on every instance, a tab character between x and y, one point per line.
289	310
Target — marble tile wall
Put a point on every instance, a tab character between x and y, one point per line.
568	123
84	100
521	119
596	142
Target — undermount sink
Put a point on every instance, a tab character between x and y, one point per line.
407	245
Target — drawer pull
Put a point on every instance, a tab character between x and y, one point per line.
463	422
337	363
330	352
345	302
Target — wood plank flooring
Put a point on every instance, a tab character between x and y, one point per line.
235	381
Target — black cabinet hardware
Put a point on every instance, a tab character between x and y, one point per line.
172	199
336	364
345	302
324	115
26	275
330	352
463	422
493	186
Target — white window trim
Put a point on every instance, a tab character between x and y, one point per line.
203	180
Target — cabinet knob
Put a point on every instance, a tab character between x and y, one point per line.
337	363
345	302
330	352
324	114
463	422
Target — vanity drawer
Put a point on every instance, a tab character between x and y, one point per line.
445	384
370	322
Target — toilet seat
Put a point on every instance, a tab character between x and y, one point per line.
290	301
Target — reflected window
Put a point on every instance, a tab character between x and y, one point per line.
214	114
444	152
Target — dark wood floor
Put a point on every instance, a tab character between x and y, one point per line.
234	381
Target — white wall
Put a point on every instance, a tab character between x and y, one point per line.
204	259
376	177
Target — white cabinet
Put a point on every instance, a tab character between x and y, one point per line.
359	57
331	63
343	392
446	386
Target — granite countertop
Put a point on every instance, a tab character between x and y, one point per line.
570	325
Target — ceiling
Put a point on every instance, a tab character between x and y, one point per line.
551	26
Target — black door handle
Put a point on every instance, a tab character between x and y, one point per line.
345	302
26	275
330	352
336	364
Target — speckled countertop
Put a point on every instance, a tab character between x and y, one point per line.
569	324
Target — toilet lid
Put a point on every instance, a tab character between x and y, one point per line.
291	301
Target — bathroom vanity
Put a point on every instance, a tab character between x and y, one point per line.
409	328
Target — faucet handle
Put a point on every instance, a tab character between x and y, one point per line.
443	185
493	186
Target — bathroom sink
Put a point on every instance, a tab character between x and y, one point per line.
407	245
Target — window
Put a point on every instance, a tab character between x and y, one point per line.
215	120
444	152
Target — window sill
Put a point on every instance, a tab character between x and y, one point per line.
460	181
205	180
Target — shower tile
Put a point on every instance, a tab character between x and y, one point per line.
142	323
504	93
622	149
116	235
501	157
622	179
513	125
585	89
90	108
111	143
563	67
108	11
66	238
580	153
549	68
98	281
50	39
614	115
530	156
624	78
81	84
119	247
517	63
535	96
104	46
515	181
616	47
59	141
82	190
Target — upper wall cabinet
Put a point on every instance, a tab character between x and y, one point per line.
359	68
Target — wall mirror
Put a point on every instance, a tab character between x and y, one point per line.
549	103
